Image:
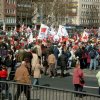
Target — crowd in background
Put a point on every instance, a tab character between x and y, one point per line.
30	60
15	49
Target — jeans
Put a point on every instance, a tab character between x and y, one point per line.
35	81
93	63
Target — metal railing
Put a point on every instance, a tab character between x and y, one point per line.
15	91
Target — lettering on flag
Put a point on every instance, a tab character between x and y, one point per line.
43	31
85	36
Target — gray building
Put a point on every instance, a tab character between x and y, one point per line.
88	12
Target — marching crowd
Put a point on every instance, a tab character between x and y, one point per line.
29	61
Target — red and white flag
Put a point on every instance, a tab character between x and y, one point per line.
29	30
43	31
85	36
52	31
22	28
62	31
30	39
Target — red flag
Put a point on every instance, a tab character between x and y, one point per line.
85	37
43	30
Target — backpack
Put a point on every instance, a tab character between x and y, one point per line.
92	53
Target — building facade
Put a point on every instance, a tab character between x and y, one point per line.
88	13
15	12
71	11
1	12
8	13
24	12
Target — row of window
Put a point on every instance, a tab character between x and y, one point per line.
11	1
85	13
90	6
88	21
10	11
91	0
11	20
24	5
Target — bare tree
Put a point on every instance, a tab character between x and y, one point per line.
53	12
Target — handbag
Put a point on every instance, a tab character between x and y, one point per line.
82	80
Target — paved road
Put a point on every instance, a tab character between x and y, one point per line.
91	85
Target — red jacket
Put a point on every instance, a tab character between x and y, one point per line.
76	76
3	73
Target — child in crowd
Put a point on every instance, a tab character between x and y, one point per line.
3	73
3	77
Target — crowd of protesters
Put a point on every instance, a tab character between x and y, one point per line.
15	49
44	56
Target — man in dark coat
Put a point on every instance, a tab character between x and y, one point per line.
63	63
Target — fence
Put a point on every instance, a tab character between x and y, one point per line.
11	91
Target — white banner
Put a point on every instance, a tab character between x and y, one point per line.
85	36
62	31
43	31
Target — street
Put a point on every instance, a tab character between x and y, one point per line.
91	85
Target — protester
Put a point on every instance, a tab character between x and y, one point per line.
3	77
51	63
37	72
8	63
93	61
38	46
22	77
3	73
63	63
32	51
98	78
56	52
77	75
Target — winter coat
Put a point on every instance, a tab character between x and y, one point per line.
78	53
3	73
88	58
22	75
63	60
51	59
56	52
98	77
77	73
39	50
34	60
37	71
